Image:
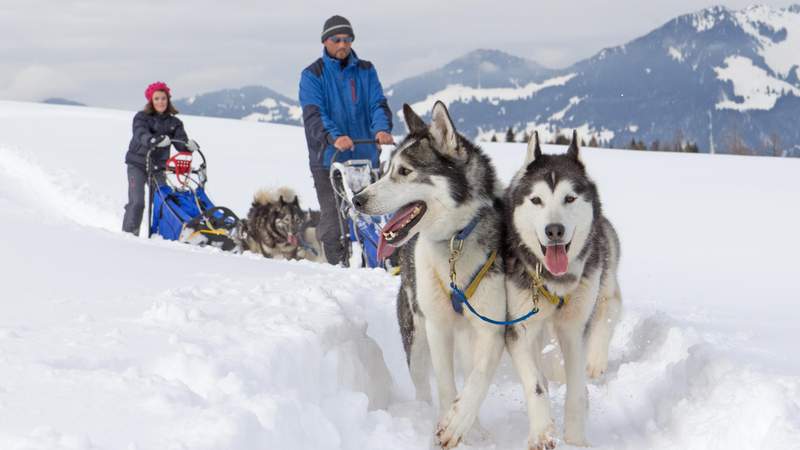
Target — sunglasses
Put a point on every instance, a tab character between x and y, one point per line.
337	39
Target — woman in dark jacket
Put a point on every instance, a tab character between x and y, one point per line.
153	128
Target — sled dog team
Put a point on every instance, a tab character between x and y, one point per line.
473	255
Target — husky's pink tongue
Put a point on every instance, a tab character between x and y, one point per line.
292	239
555	258
386	249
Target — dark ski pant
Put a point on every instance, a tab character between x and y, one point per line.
137	178
328	229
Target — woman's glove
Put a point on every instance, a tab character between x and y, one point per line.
161	140
192	146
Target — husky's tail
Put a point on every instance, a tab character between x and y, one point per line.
266	196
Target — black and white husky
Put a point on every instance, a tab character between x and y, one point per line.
442	186
558	239
277	227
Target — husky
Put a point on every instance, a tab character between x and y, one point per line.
277	227
562	254
447	197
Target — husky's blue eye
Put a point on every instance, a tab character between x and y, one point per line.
536	201
403	171
569	199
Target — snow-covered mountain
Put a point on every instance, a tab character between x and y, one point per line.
723	79
717	77
254	103
109	341
61	101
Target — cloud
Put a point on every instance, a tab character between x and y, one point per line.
103	52
37	82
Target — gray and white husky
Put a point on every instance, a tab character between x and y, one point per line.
439	184
559	238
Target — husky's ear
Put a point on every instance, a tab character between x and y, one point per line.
413	121
572	152
444	132
534	150
296	201
283	202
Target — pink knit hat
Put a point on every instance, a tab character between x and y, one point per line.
157	86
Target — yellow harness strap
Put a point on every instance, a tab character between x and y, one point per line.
473	286
215	232
538	285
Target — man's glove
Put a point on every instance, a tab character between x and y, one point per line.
161	140
192	146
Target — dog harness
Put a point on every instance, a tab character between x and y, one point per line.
537	288
460	297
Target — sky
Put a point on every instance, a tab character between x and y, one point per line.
105	52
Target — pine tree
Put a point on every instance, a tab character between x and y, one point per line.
593	142
561	140
526	137
774	145
655	146
494	138
691	148
510	135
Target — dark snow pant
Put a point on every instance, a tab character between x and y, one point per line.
328	231
137	178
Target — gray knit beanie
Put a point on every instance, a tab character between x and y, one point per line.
336	25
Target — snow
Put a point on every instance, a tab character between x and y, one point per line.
269	103
108	341
465	94
633	128
781	57
675	54
572	102
758	88
294	111
706	19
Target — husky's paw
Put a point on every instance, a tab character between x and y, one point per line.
596	366
453	426
543	442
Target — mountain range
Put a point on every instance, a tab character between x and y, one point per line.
725	80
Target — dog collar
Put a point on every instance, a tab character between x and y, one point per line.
463	234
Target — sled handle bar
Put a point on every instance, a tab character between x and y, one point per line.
337	152
152	149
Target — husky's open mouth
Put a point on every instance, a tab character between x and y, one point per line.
555	258
397	230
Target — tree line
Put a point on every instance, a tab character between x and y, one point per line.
733	143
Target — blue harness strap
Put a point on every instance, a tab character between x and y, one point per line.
459	297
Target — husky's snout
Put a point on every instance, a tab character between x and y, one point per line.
554	232
360	201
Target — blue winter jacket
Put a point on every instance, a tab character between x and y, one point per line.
342	100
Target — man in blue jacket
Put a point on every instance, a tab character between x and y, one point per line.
342	101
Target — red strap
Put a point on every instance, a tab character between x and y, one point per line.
181	165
